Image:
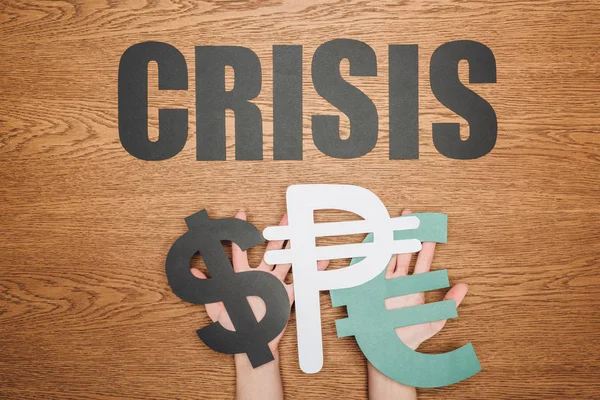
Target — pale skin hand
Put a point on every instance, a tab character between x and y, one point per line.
380	386
264	382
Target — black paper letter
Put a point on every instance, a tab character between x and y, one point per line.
404	101
287	102
133	101
448	89
361	111
212	99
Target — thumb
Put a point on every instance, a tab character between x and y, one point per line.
457	293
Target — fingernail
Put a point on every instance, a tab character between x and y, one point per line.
241	214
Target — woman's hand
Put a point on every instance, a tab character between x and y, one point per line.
263	382
380	386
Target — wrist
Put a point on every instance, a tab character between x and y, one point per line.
242	363
381	387
261	383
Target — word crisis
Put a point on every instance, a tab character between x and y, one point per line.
213	99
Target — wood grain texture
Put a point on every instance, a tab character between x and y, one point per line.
85	310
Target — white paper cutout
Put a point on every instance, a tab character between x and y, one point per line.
302	231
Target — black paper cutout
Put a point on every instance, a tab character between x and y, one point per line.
404	101
359	108
448	89
287	102
250	337
133	101
212	100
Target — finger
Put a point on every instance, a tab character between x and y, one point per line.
273	245
425	258
281	270
197	273
322	265
389	271
212	309
239	257
290	291
402	260
457	293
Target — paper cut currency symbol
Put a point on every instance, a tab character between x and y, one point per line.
303	254
374	326
250	336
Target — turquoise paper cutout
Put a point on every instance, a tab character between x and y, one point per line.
373	325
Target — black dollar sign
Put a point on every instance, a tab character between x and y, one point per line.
250	336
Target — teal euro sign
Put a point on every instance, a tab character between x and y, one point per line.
373	325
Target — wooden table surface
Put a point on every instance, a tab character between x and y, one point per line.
85	310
